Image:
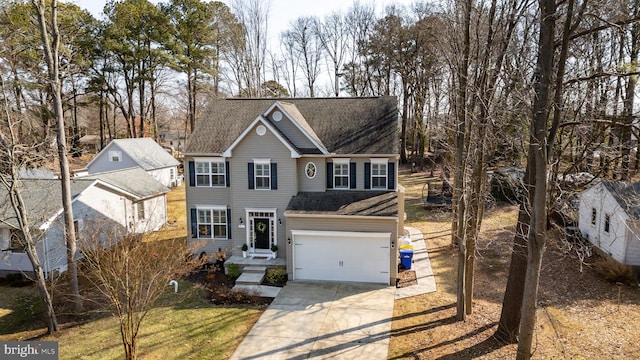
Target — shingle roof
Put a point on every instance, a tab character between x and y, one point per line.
627	195
42	197
134	180
361	203
343	125
147	153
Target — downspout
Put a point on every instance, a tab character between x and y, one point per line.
46	256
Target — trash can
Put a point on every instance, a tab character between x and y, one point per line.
406	258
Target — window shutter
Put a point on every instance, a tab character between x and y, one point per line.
367	175
250	176
192	173
226	175
194	223
329	175
274	176
391	176
228	223
352	175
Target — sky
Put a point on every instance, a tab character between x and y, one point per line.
282	12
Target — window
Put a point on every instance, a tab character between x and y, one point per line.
212	223
593	216
140	210
310	170
115	156
263	176
171	174
17	240
210	173
607	223
341	175
378	175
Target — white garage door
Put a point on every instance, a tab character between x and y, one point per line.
341	256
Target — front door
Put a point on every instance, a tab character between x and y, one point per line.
262	232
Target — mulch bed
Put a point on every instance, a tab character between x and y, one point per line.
406	278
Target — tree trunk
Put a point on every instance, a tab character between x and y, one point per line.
51	57
537	233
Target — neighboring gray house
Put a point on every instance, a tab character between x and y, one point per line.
610	219
143	152
111	203
315	177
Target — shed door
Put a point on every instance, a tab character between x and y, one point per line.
341	256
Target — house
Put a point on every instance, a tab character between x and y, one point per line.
609	217
315	177
143	152
118	202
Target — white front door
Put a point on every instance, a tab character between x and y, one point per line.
341	256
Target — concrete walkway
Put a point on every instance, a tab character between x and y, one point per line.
321	320
422	267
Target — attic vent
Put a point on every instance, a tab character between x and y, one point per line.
277	115
261	130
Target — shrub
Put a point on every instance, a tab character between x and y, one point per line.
276	276
615	272
233	270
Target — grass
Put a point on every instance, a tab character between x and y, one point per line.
176	227
181	328
20	309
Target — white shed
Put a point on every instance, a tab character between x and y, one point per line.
610	219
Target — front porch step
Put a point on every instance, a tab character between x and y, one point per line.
250	278
254	269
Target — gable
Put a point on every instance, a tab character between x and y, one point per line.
142	152
288	119
262	133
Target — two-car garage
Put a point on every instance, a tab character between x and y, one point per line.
341	256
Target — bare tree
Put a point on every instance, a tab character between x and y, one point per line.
14	156
332	35
51	49
248	53
131	275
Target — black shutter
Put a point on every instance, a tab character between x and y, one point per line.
329	175
228	223
194	223
367	175
391	176
250	176
192	173
274	176
352	175
226	175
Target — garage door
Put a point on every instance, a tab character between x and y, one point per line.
341	256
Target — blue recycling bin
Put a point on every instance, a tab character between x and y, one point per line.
406	258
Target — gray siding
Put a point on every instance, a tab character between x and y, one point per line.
318	183
253	147
291	131
215	196
101	162
347	223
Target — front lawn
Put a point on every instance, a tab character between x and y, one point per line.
183	326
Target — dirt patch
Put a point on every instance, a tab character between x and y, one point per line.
406	278
580	315
219	289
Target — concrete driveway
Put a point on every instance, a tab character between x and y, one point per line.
323	321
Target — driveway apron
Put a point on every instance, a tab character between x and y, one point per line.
317	320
